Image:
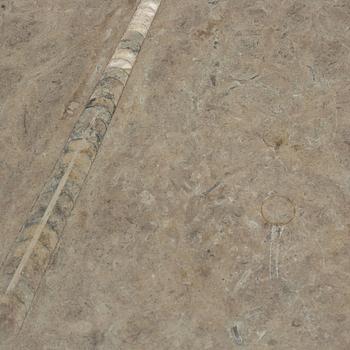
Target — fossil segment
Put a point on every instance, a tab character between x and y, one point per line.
30	254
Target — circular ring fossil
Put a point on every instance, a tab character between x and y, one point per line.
278	210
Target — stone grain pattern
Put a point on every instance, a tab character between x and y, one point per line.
236	103
29	257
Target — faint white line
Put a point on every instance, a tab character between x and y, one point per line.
243	280
276	233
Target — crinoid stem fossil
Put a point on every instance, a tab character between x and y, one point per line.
30	255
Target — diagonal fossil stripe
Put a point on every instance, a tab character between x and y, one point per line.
29	257
17	275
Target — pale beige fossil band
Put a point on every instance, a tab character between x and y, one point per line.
30	255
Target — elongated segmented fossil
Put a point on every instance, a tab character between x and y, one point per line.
29	257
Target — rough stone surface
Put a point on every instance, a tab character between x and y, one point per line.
233	108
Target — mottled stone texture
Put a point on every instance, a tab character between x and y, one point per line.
216	215
22	271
